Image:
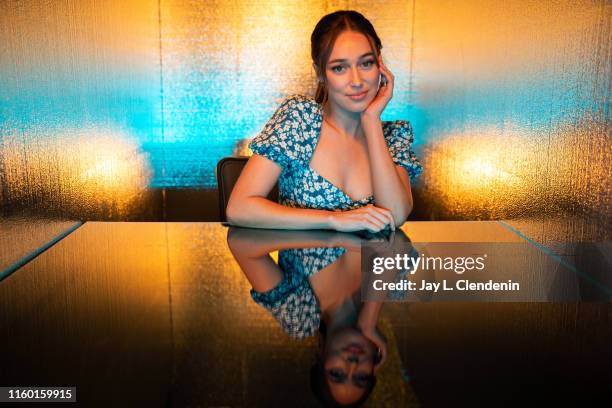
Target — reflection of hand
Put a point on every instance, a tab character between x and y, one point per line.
369	218
352	241
384	95
345	240
379	340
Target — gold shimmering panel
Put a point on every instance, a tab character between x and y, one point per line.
76	172
226	67
496	173
78	99
512	113
77	104
20	236
92	310
458	231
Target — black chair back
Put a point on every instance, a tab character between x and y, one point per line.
228	171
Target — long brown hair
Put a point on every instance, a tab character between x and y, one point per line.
325	34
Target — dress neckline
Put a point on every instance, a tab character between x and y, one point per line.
318	125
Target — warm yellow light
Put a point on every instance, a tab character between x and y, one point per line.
500	173
99	173
477	173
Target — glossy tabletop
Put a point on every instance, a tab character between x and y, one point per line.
161	314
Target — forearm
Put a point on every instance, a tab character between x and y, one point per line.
368	316
389	191
259	212
261	271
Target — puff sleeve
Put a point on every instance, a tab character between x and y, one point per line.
293	304
277	139
399	137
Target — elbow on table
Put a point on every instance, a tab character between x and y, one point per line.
234	214
402	217
399	220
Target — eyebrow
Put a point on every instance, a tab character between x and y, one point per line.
344	59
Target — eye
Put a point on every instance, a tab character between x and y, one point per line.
336	375
368	63
337	69
361	380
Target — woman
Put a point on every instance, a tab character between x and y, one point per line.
337	164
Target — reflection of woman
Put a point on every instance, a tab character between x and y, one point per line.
317	287
337	164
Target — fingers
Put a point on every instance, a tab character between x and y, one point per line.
390	77
385	70
383	357
371	218
380	217
375	222
384	215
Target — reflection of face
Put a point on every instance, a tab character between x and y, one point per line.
351	69
348	365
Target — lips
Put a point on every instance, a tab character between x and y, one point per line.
354	349
359	96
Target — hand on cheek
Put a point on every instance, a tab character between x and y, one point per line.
384	95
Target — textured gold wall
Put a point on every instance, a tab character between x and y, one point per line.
76	104
79	95
226	67
107	105
514	117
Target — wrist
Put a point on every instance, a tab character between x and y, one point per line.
370	118
365	326
330	220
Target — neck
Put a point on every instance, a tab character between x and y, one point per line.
344	122
340	316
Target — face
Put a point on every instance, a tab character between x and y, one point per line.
352	70
348	365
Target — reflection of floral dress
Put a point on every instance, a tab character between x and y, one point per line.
290	138
292	302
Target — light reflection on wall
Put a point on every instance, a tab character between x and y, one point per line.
512	113
472	173
79	95
492	173
97	172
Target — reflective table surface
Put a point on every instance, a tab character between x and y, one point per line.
199	314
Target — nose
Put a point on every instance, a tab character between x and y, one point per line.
356	81
353	364
352	358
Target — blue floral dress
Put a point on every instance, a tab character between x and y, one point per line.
290	138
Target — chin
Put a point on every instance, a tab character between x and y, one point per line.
354	109
358	107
